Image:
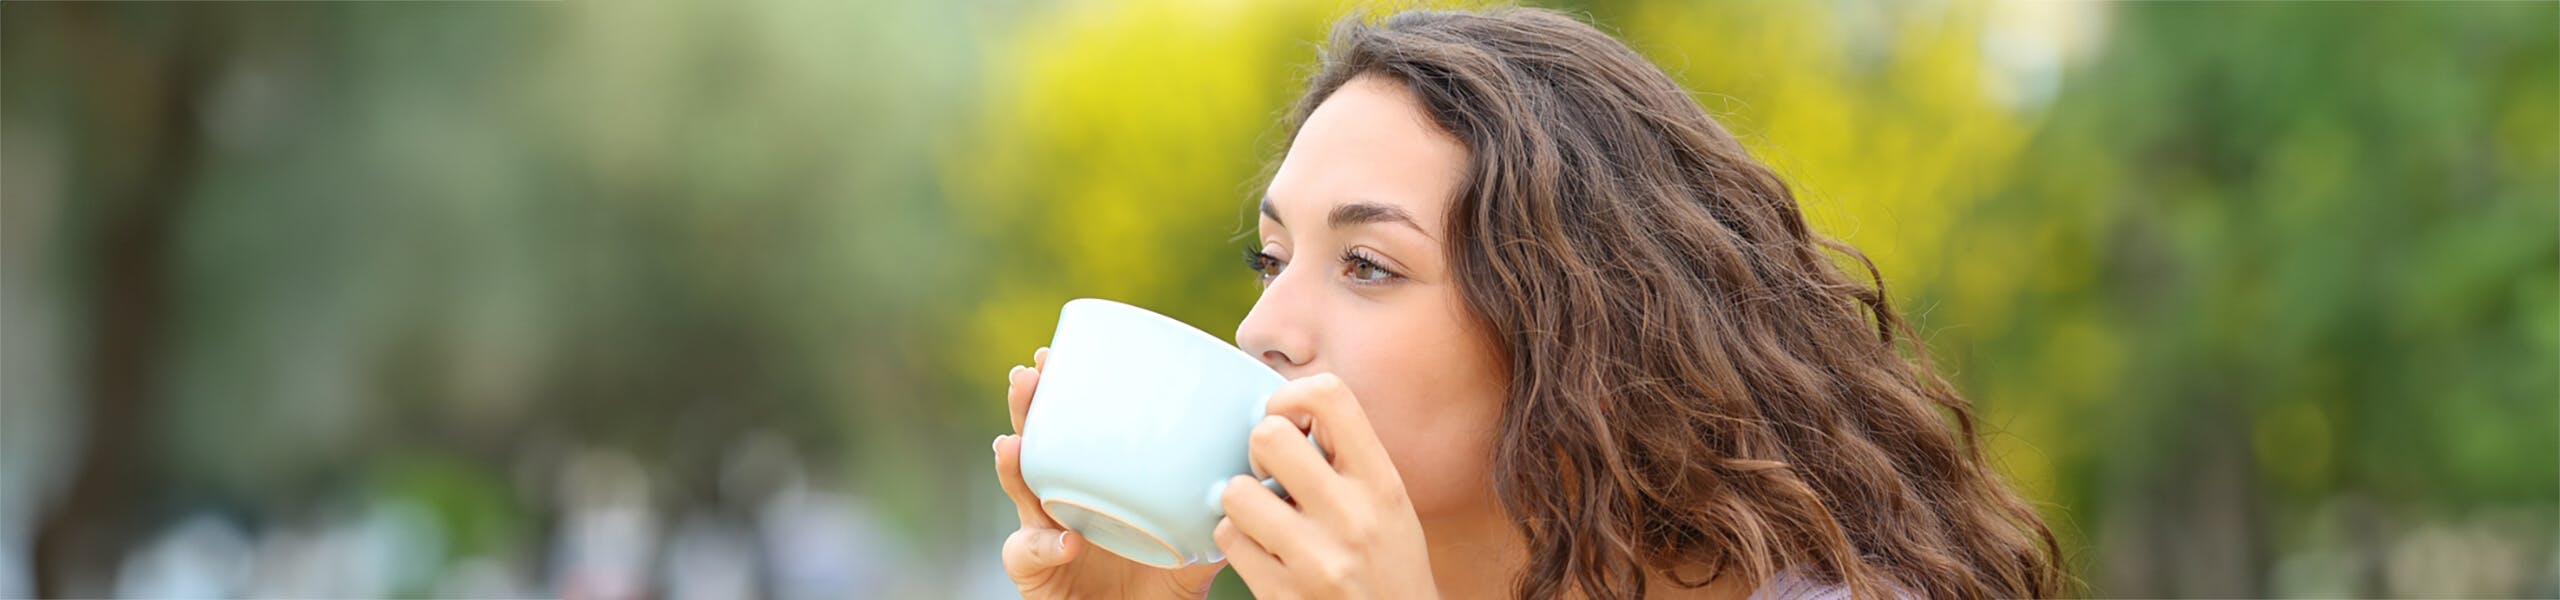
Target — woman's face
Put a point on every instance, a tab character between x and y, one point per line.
1357	283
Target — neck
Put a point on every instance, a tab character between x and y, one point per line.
1475	553
1478	554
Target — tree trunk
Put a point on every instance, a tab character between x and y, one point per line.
140	102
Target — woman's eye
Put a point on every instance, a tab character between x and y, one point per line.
1362	270
1264	265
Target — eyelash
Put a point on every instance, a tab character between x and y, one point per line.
1265	266
1353	258
1262	264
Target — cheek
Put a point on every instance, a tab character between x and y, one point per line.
1435	398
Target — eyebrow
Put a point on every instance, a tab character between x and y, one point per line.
1357	212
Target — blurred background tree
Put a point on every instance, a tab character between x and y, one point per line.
702	301
2278	297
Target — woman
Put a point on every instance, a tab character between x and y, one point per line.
1560	336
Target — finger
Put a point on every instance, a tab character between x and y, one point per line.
1193	581
1032	550
1018	385
1279	448
1265	517
1324	405
1009	474
1262	573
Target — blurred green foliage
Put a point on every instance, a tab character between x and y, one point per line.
2268	260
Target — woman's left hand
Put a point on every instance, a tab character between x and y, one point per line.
1347	529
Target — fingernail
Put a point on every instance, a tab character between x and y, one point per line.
1010	373
996	444
1060	547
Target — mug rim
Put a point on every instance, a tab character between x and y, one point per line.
1222	343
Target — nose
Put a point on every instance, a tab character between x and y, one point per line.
1281	329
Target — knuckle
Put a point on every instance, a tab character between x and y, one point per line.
1266	434
1358	526
1226	535
1309	396
1228	498
1330	572
1305	390
1326	384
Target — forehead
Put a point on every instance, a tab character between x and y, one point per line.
1371	140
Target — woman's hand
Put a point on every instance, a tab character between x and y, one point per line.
1047	561
1347	529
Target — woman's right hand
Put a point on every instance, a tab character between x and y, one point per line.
1047	561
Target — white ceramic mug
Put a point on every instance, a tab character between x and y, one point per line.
1137	424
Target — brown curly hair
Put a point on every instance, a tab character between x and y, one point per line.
1696	386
